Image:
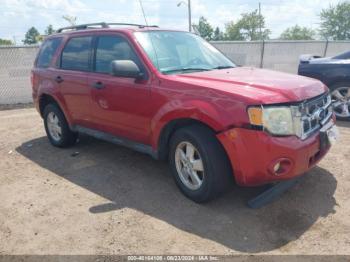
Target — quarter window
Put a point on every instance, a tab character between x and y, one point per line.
76	54
47	51
110	48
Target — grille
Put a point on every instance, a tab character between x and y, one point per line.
315	113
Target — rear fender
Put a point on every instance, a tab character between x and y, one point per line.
46	87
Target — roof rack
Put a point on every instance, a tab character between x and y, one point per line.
101	25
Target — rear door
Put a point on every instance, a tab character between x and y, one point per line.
42	71
71	77
122	105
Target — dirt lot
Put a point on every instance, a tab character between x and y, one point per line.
110	200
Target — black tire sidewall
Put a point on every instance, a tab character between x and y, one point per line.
207	146
67	137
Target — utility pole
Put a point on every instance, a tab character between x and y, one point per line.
189	13
189	16
260	22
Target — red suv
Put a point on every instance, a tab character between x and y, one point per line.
172	95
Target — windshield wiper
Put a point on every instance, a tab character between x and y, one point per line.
223	67
186	69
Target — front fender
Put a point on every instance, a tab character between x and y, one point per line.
191	109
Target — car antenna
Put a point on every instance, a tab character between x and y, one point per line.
143	12
144	16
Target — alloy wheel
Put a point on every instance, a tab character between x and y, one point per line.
189	165
341	102
54	126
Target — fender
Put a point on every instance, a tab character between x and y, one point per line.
336	74
46	87
190	109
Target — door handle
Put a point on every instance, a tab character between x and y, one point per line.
98	85
58	79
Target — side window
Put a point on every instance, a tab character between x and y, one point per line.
110	48
76	54
47	51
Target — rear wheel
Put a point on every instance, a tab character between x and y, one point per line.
199	164
341	100
56	127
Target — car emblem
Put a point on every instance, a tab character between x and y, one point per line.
319	114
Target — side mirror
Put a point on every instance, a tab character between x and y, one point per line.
126	68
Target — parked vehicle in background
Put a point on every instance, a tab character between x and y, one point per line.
172	95
335	73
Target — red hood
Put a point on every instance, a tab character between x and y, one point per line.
257	85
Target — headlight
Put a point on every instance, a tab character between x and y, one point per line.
276	120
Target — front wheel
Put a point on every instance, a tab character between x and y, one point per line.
199	164
341	101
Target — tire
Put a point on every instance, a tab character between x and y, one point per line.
341	95
65	137
217	175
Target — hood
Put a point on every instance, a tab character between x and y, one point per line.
329	60
314	59
257	85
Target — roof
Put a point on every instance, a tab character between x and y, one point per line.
103	25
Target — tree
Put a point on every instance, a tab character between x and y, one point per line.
335	22
49	30
218	35
233	32
72	20
247	28
250	24
204	29
32	36
298	33
5	42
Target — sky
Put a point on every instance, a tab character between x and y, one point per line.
17	16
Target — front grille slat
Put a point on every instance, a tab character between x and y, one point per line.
315	113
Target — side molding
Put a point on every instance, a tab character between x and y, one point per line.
142	148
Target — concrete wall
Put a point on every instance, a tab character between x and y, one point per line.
278	55
16	62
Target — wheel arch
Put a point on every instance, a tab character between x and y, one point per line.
170	128
46	99
180	113
338	83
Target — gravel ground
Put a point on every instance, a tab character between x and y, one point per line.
107	199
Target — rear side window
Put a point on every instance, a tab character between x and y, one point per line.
110	48
76	54
47	51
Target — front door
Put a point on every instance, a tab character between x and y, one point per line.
120	105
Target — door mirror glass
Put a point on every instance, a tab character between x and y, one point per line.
126	68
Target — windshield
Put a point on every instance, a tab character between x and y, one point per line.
181	52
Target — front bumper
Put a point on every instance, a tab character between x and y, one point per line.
253	152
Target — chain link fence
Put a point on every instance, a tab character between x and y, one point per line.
15	65
16	62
